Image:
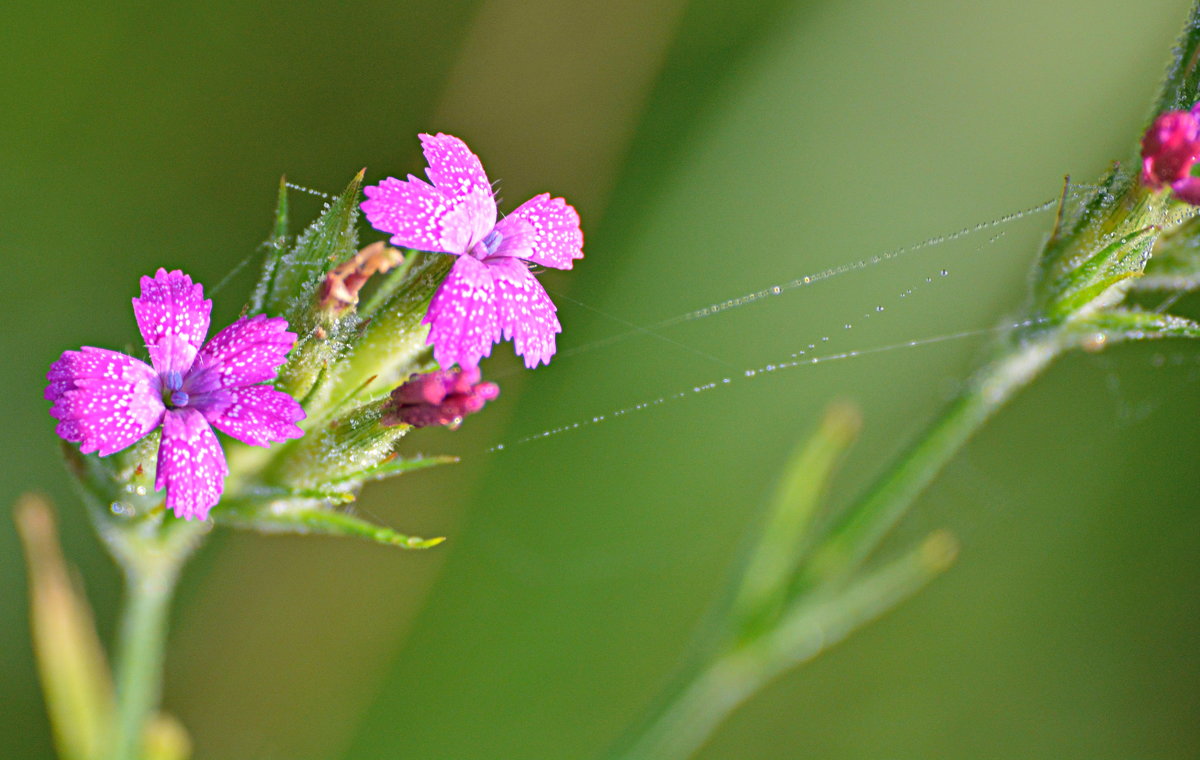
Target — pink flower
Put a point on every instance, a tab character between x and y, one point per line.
443	397
1170	148
107	401
490	294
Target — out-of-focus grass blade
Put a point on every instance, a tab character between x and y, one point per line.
75	676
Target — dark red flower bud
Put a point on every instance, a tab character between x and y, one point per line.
1170	148
437	398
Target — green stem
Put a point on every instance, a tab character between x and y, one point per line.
151	555
682	723
686	721
824	608
862	528
141	644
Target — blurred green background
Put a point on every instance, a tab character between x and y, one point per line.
713	148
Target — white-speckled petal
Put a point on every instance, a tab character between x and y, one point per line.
258	415
556	239
459	173
527	315
249	351
191	465
462	315
172	314
420	216
104	400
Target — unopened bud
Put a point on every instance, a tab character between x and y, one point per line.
1170	148
438	398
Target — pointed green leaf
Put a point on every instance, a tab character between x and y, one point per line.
818	622
1117	261
305	519
275	245
397	465
1129	324
332	237
1180	88
773	559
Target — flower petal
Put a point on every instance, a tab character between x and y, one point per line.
191	465
556	240
249	351
462	315
1188	190
457	172
527	314
173	315
258	415
420	216
103	399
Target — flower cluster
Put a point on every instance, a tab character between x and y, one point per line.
438	398
247	381
106	401
490	294
1170	148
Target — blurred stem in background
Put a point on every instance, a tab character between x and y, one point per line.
802	586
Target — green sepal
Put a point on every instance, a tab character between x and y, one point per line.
331	238
391	344
337	450
1175	262
275	246
1182	83
1093	259
293	294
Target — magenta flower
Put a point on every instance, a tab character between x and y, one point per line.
1170	148
107	401
490	294
437	398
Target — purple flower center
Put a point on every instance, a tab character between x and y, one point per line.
173	393
492	242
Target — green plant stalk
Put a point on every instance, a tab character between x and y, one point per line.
151	556
829	598
141	645
709	694
849	542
